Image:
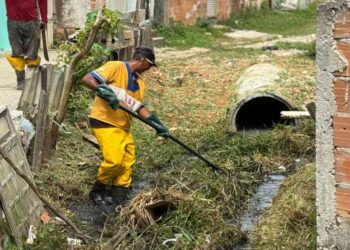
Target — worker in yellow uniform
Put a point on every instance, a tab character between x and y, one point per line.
118	83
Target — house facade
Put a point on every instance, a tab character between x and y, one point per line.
163	12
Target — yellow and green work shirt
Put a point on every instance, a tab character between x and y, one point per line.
119	75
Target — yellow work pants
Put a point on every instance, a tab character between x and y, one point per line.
18	63
118	150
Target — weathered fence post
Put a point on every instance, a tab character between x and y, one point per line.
41	121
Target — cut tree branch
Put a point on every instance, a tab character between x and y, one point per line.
68	81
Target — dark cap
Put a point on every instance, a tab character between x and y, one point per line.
146	52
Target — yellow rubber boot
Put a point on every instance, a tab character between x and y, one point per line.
33	62
16	62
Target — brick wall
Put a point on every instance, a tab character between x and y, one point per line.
188	11
333	125
341	117
223	9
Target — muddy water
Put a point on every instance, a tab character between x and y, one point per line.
258	203
96	217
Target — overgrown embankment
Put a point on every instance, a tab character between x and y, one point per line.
291	221
191	95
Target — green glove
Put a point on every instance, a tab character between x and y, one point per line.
107	94
159	127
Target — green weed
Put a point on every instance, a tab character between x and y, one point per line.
291	222
310	48
195	111
301	22
183	37
54	233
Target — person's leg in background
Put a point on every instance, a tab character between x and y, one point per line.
24	38
31	39
17	58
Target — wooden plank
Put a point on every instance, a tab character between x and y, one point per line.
21	206
92	140
41	122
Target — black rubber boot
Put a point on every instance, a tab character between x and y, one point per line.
97	193
117	195
20	79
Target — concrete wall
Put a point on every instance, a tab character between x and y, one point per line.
333	126
71	13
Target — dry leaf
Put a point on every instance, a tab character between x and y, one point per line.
45	217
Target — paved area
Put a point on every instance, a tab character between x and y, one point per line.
8	94
289	39
248	35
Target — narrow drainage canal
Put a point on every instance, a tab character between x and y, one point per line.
258	203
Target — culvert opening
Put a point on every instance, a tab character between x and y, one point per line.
261	113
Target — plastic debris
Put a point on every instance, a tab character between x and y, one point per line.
74	242
282	168
177	237
31	235
24	128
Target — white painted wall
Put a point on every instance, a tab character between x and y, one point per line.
74	12
121	5
130	5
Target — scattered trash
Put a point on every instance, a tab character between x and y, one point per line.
24	128
31	235
177	237
28	129
74	242
45	217
81	164
297	160
282	168
269	47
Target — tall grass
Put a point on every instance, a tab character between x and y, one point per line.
301	22
182	36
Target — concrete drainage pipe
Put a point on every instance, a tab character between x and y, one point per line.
259	99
